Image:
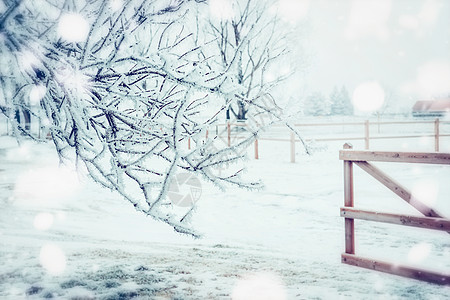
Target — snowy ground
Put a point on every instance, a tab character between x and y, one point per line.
63	237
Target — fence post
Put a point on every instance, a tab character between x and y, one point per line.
436	135
348	202
366	135
292	147
256	149
378	121
229	134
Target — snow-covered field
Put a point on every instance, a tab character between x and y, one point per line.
63	237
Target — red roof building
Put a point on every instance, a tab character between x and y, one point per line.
431	108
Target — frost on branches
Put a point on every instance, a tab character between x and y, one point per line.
122	85
249	40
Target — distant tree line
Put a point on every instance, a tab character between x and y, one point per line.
337	103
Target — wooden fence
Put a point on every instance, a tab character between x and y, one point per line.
366	133
431	220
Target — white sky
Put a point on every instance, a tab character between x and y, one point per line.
402	44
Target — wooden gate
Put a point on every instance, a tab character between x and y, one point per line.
431	220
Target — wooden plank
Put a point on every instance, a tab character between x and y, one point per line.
361	123
349	225
421	222
328	124
348	184
233	124
235	137
355	138
275	140
398	189
311	139
401	122
405	271
400	136
349	202
366	135
347	123
386	156
336	139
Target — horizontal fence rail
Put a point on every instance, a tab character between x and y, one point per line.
405	271
401	157
431	219
421	222
365	133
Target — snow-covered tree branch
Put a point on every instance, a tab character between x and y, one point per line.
122	86
249	40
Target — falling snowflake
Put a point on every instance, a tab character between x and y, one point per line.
369	18
368	96
259	286
419	253
425	191
52	259
293	10
73	27
37	93
43	221
73	79
221	9
116	5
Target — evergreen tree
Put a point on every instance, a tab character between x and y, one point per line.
340	102
347	102
316	104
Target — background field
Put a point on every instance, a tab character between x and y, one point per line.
62	236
